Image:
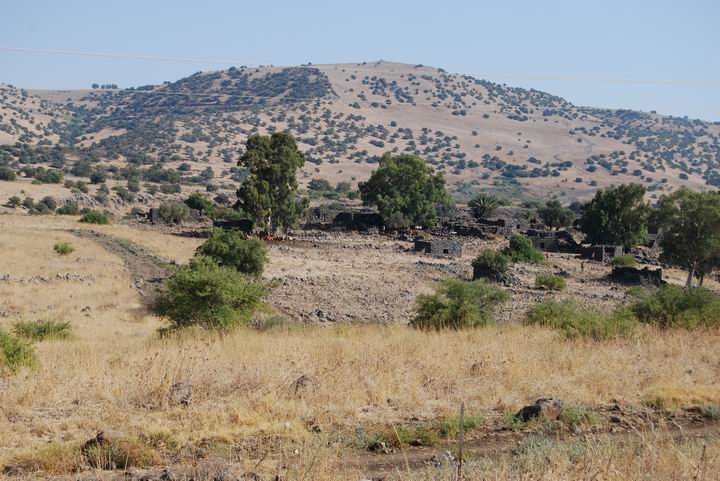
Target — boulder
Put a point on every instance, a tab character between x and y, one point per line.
181	393
545	408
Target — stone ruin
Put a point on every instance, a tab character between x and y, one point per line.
553	241
601	253
440	247
357	221
242	225
344	219
635	276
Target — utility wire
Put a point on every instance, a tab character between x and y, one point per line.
678	82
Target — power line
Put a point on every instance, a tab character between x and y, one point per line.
121	55
677	82
696	83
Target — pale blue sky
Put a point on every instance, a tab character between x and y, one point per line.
630	39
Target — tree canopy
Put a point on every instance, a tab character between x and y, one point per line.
404	186
616	215
268	194
690	224
554	215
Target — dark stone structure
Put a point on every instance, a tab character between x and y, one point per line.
357	221
601	253
153	215
635	276
546	241
553	241
242	225
438	247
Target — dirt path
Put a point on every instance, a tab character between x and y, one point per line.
379	466
146	270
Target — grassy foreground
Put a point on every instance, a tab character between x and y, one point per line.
248	384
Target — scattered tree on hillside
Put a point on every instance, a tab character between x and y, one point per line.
404	185
690	224
268	193
616	216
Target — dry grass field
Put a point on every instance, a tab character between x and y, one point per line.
303	401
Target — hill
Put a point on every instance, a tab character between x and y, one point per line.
481	135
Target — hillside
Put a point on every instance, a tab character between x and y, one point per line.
520	143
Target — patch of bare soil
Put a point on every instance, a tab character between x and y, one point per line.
350	277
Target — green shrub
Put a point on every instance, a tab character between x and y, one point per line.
551	282
6	173
578	321
170	188
63	248
521	249
320	185
230	248
69	209
626	260
491	264
458	304
199	202
15	354
673	306
42	330
49	202
94	217
483	205
397	221
174	212
206	294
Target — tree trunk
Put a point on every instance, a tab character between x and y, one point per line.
702	279
691	274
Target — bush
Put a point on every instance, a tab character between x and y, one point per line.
458	304
170	188
14	202
626	260
491	264
206	294
521	249
578	321
673	306
69	209
6	173
50	176
319	185
63	248
397	221
483	205
94	217
174	212
199	202
549	281
42	330
231	249
14	354
49	202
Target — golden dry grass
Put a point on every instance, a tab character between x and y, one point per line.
116	374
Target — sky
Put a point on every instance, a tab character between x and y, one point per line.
548	45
